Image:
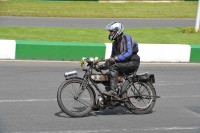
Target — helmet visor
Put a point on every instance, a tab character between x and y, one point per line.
110	27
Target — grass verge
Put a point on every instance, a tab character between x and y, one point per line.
99	10
172	35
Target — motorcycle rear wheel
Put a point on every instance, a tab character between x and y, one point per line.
140	97
75	98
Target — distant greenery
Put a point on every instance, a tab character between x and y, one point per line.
171	35
141	35
99	9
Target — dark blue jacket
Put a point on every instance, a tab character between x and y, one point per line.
126	49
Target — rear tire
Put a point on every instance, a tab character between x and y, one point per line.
140	98
75	97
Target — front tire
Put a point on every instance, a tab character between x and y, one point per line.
140	96
75	97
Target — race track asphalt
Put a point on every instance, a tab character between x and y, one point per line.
94	22
28	101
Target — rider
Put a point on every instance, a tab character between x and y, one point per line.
124	58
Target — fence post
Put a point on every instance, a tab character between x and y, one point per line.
198	18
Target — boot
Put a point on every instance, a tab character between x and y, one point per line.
113	86
110	93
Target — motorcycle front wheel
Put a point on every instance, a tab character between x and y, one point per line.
141	97
75	98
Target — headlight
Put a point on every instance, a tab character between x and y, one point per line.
82	61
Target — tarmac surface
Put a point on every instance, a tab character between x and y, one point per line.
94	22
28	101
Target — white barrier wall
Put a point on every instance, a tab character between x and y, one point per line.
160	52
147	52
164	53
7	49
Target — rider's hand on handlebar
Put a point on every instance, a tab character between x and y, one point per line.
113	59
98	68
101	66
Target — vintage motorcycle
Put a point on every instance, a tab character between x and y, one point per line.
78	96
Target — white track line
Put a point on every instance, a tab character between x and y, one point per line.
192	96
122	130
169	128
28	100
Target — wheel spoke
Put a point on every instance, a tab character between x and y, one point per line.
80	91
84	102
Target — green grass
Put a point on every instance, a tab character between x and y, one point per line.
99	10
141	35
171	35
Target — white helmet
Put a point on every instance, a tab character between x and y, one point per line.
115	28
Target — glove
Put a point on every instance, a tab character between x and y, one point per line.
100	67
103	66
113	60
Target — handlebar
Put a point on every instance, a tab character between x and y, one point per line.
92	63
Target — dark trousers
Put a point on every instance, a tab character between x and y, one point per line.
118	69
